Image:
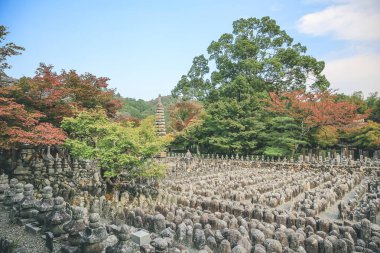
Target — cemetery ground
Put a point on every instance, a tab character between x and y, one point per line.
204	204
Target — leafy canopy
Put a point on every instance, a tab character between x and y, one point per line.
367	136
21	126
60	95
183	114
120	147
233	82
280	137
257	56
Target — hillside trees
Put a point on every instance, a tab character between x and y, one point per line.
367	137
32	108
280	137
373	103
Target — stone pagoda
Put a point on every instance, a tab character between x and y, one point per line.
160	118
160	122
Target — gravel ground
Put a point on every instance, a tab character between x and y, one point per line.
33	243
332	212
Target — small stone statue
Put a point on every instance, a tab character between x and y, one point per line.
160	245
45	205
58	164
58	217
27	204
3	186
124	244
15	210
76	226
10	192
95	235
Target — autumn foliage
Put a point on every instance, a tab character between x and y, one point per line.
19	126
312	110
321	116
61	95
32	109
183	114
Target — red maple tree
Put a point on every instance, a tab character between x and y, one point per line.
20	126
61	95
314	110
183	114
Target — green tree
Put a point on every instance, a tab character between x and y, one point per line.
256	56
194	85
281	136
120	147
230	127
368	136
6	50
357	98
326	136
373	102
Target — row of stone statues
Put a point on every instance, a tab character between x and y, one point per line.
55	216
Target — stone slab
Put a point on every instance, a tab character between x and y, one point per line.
141	237
69	249
32	228
23	222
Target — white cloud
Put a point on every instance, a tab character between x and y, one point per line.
348	20
356	66
356	73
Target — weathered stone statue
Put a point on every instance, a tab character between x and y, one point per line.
94	235
124	245
45	205
21	172
38	168
65	165
57	218
10	192
75	229
18	196
27	205
76	226
3	186
160	245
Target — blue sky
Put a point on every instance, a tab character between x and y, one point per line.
145	46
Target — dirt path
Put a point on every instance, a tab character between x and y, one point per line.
332	212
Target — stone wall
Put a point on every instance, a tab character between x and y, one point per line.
49	167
